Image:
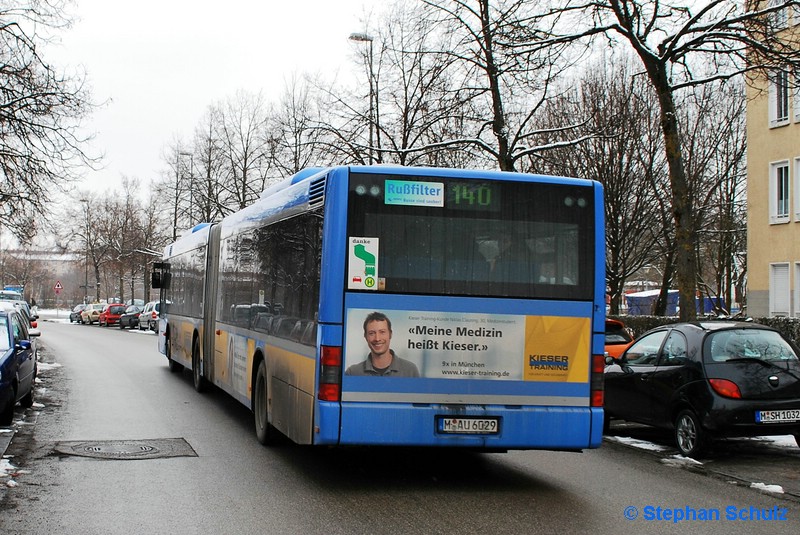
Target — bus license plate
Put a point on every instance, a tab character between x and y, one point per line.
777	417
482	426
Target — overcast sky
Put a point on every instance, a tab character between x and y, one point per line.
158	64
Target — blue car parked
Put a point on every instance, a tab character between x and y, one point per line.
17	363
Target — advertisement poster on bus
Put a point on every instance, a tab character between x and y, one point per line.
460	345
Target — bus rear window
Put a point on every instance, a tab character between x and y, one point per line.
475	238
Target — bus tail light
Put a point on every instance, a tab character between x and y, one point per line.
598	380
330	373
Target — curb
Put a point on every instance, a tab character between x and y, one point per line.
6	434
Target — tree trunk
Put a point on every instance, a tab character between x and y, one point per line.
499	126
685	254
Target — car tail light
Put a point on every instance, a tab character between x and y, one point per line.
598	380
725	388
330	373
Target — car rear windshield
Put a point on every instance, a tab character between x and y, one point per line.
117	310
748	344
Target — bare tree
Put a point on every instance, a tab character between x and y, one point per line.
41	109
207	151
89	237
715	161
174	187
506	87
294	139
241	131
627	159
419	100
680	47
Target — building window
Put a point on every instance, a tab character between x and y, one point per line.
779	193
779	18
778	97
796	93
779	294
797	189
796	292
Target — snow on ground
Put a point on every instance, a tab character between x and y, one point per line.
775	489
780	441
636	443
680	461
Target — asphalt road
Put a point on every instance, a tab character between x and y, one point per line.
113	387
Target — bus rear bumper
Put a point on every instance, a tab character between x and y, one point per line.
491	427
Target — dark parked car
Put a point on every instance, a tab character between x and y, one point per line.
131	317
17	364
110	314
707	380
75	315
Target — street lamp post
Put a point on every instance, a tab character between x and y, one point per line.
365	38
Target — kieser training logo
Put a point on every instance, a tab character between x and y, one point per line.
557	348
408	193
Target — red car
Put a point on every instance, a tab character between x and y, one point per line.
110	314
618	338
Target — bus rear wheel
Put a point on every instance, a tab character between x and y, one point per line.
197	373
265	432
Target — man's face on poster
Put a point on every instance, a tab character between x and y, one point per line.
378	336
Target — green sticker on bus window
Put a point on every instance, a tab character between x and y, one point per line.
407	193
363	264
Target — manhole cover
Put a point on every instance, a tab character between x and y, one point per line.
128	449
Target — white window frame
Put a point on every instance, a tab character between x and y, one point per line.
779	192
795	88
796	291
796	185
779	289
778	98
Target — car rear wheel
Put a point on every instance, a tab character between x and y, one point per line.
27	399
7	415
689	435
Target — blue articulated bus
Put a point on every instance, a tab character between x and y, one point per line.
400	306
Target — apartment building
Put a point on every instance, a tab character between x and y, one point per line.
773	190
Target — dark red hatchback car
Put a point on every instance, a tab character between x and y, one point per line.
110	314
706	380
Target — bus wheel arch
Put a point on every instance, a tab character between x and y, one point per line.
265	432
197	364
174	367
